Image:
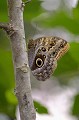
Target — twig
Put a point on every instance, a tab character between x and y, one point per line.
7	27
24	3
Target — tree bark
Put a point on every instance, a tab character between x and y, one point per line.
15	30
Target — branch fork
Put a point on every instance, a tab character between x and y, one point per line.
8	28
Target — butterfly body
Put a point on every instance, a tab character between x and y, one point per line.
43	54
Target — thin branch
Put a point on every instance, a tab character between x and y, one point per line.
27	1
24	3
4	26
7	27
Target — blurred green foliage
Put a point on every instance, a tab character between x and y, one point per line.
68	65
40	108
3	11
32	10
75	108
61	18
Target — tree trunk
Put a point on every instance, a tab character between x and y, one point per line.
15	30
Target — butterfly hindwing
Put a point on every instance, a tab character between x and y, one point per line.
43	54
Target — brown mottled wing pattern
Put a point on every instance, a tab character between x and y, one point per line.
43	54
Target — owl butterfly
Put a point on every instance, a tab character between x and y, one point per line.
43	54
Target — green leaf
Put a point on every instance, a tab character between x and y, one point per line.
32	9
40	108
3	11
74	51
69	63
6	69
11	98
75	109
60	19
6	83
76	12
4	41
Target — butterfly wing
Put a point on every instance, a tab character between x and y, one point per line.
43	54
